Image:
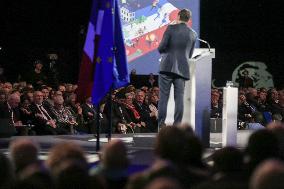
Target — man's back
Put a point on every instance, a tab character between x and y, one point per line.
177	48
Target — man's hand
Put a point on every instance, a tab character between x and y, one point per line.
18	123
90	114
39	116
79	110
52	123
25	111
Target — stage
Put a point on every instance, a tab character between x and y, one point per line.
140	146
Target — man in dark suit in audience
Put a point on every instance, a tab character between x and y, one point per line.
42	118
121	121
90	115
9	110
176	49
145	112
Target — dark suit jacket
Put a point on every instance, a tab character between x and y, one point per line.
144	112
119	114
36	120
86	109
5	113
177	48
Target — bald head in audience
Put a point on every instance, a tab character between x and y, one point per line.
14	100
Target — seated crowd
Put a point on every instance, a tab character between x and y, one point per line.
178	164
39	109
47	111
256	107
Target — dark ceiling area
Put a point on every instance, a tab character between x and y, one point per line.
44	23
243	31
239	28
242	25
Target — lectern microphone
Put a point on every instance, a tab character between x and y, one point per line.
203	41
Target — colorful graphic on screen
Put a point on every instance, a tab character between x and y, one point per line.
144	23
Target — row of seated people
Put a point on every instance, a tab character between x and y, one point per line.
47	116
179	163
254	105
134	110
53	112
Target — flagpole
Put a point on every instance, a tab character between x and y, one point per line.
111	89
98	123
109	115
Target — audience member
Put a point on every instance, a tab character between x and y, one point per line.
171	150
146	115
23	152
164	183
63	116
261	146
121	121
277	129
216	106
228	170
133	78
257	121
37	77
151	81
113	166
90	115
244	109
268	175
3	96
72	174
63	152
42	117
10	110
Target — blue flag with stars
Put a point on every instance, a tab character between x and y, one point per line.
109	58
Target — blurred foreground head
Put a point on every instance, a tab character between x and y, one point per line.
268	175
114	155
63	152
24	152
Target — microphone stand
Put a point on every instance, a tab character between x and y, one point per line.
203	41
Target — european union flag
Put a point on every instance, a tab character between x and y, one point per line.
104	63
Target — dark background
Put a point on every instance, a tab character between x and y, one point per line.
239	30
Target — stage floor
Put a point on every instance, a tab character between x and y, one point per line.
140	146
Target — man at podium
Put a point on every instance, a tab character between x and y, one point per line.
176	49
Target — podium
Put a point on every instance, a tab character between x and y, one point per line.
197	95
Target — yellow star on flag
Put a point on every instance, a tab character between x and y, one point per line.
109	59
108	5
98	60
